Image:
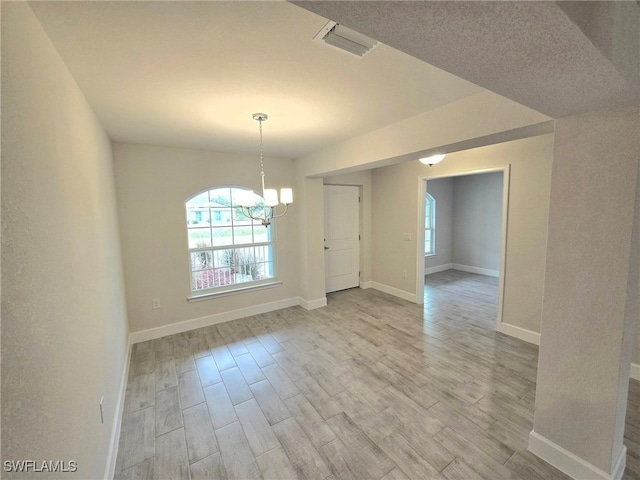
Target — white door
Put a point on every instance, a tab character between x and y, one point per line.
342	237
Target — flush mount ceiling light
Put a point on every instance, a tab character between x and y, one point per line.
269	195
432	160
345	39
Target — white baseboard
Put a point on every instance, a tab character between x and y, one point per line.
470	269
620	465
110	468
439	268
186	325
635	371
520	333
571	464
312	304
411	297
365	285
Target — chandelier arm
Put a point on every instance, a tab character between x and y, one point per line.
265	219
273	215
268	216
248	213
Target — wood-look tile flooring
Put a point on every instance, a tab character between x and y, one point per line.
370	387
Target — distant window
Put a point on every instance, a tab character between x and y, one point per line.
230	252
429	225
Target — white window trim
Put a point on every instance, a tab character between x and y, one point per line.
235	291
433	228
209	293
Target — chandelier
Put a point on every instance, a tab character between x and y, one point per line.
269	195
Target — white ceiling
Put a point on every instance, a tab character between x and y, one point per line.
190	74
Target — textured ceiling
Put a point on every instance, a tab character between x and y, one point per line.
191	74
557	58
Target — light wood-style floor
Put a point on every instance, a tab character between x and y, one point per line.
369	387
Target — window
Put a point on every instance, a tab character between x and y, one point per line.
429	225
227	251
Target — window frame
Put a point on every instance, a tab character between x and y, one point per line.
430	231
235	288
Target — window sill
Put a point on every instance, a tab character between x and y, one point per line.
224	293
429	255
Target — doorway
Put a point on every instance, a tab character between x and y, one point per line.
497	268
341	237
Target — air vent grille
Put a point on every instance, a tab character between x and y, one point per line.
345	39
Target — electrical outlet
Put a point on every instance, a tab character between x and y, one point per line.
101	412
155	303
404	274
406	237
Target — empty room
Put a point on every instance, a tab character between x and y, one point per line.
463	243
320	240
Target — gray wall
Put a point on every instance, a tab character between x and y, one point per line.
441	189
395	191
468	221
477	220
64	324
590	308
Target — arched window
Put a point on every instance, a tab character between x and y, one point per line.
429	225
227	250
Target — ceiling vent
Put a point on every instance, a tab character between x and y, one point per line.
345	39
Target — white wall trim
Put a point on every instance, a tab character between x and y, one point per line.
312	304
110	468
396	292
186	325
571	464
635	371
520	333
620	465
438	268
470	269
367	284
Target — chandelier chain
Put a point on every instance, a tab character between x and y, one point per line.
268	211
261	154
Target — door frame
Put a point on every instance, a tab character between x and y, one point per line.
359	232
422	190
